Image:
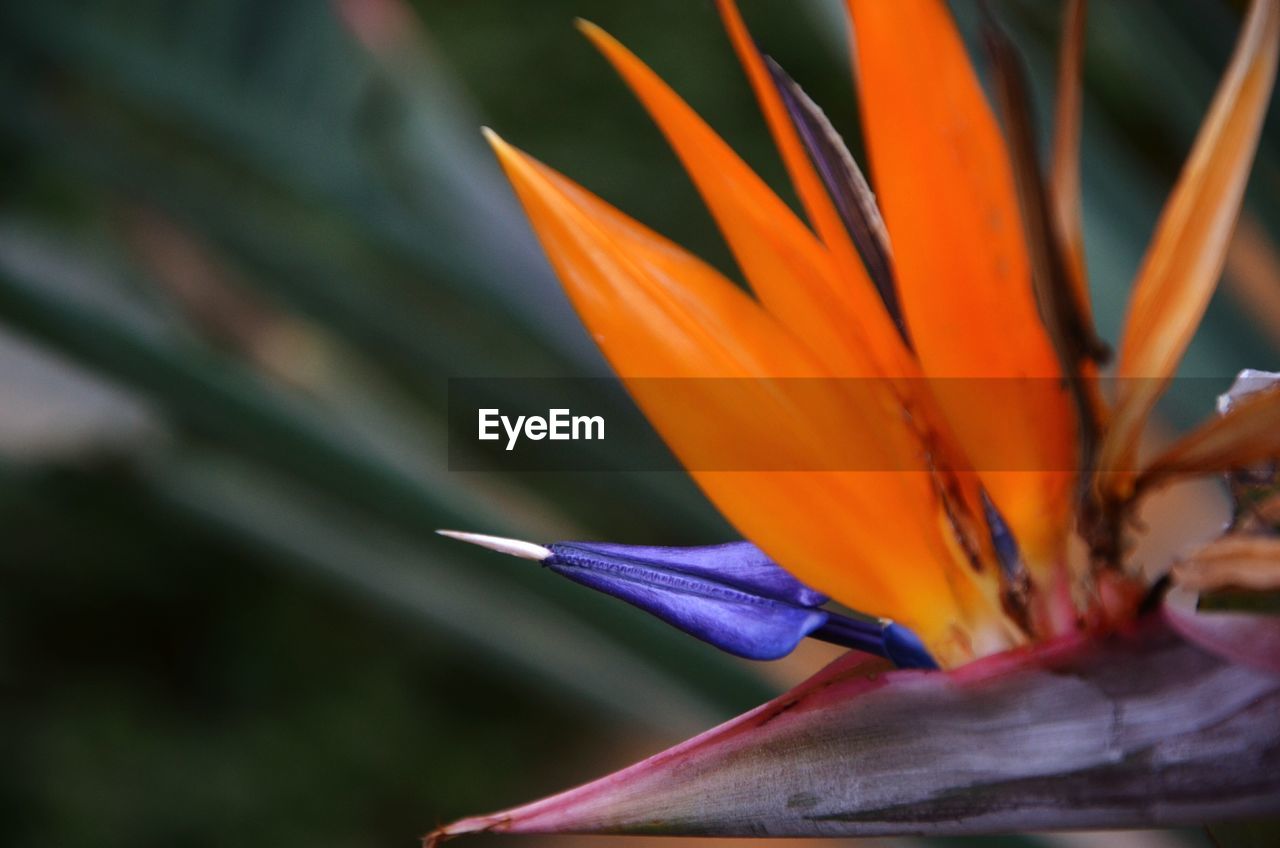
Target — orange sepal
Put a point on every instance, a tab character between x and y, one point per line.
789	269
839	316
804	177
1065	172
946	188
872	539
1187	251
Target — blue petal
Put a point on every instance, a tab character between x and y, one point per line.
905	648
740	565
730	596
1002	538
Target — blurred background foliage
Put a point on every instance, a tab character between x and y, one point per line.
244	245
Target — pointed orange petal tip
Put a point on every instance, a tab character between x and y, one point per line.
495	141
612	49
601	40
590	30
513	160
784	263
808	184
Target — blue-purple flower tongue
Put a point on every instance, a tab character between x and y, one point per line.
731	596
738	564
905	648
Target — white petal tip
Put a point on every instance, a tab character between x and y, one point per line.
1248	381
514	547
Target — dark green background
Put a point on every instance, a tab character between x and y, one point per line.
240	254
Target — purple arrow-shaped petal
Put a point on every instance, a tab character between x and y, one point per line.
732	596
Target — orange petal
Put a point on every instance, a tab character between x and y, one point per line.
840	316
1064	192
804	177
946	189
1065	173
796	279
1052	279
1185	257
871	539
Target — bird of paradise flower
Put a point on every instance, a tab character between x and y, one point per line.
966	265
